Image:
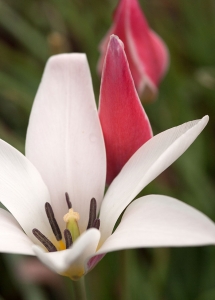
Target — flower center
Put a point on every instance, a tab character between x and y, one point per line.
72	232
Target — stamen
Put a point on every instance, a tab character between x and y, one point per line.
68	238
92	214
96	224
68	201
53	222
43	239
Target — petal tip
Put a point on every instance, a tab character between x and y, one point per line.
206	119
60	59
115	44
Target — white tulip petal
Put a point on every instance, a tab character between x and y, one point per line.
160	221
73	260
12	237
23	191
146	164
64	138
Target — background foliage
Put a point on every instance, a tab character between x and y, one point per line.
30	32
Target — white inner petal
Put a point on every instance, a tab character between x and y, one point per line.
64	138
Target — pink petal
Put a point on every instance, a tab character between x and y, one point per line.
124	122
160	221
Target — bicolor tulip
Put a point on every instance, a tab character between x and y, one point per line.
146	52
55	194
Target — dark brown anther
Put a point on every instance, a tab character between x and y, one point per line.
69	204
68	238
43	239
92	214
96	224
53	222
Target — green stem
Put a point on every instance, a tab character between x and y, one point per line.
125	258
79	289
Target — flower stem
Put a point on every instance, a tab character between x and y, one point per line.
79	289
125	274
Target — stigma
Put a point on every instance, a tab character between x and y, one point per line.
71	219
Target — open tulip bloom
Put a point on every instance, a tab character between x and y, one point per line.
55	194
146	52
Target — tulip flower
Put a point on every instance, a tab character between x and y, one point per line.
54	193
146	52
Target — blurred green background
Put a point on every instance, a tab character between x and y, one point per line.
31	31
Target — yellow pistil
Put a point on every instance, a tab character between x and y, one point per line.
71	219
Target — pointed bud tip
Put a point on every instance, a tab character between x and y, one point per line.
115	44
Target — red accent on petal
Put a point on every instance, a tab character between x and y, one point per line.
121	30
93	261
149	47
124	122
161	51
